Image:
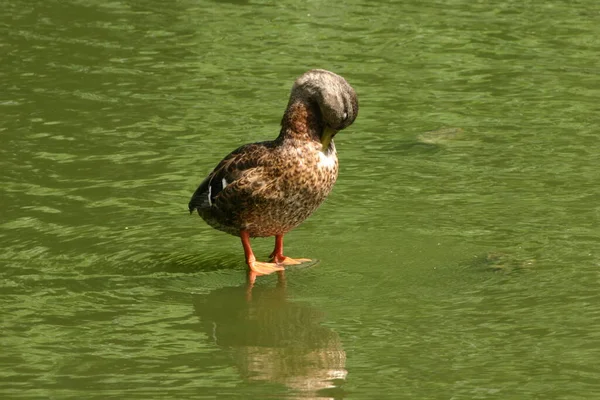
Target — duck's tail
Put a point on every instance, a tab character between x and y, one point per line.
201	197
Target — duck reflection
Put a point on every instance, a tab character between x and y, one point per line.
274	340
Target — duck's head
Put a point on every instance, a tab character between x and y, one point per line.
333	95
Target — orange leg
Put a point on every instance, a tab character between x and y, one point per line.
279	258
256	267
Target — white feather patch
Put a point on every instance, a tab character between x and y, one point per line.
224	182
209	193
326	161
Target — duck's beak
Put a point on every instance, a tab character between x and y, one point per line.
326	136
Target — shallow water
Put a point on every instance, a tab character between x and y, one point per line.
458	254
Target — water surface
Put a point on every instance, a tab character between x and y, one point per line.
459	251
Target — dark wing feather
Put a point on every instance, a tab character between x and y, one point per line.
227	172
200	197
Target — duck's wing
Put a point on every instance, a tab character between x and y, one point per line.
229	171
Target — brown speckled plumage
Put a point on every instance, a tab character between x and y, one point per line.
268	188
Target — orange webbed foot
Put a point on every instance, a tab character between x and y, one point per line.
283	260
278	257
264	268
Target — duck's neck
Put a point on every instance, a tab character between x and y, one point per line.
302	121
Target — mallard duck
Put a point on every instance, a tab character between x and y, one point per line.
268	188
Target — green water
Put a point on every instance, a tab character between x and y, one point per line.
459	252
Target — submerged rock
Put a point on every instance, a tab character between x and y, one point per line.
440	136
500	261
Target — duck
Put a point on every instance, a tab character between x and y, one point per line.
268	188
